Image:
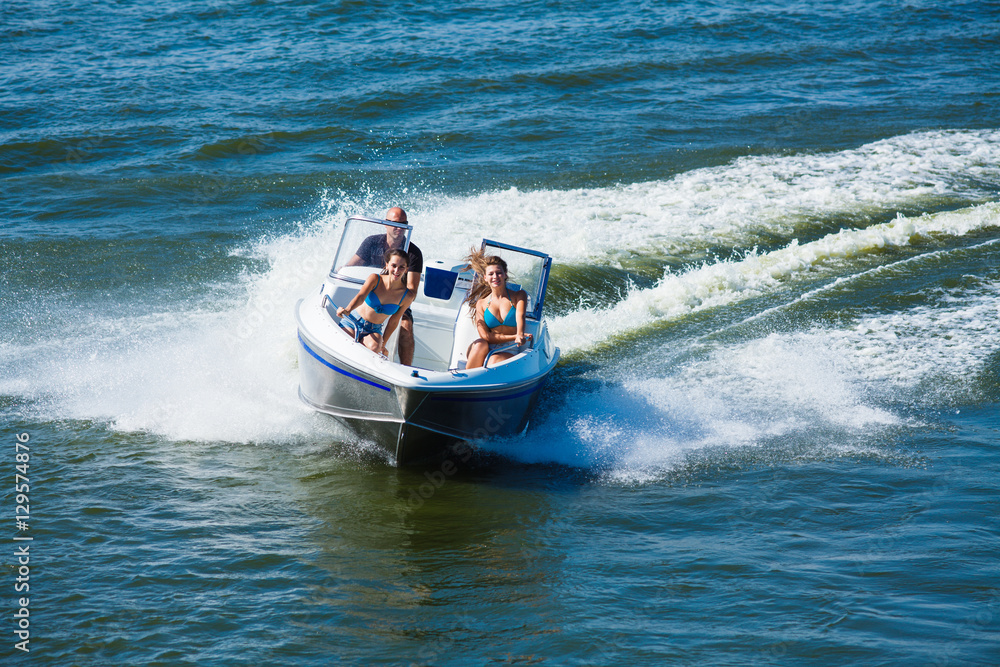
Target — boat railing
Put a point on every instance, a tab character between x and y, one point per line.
355	324
331	308
507	347
327	303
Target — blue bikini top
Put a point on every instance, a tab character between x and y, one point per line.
373	302
491	321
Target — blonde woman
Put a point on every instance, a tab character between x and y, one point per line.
497	311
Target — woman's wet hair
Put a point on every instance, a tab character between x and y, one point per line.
479	261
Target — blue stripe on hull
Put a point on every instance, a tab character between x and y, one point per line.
339	370
478	399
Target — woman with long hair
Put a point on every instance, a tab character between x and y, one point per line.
497	311
384	296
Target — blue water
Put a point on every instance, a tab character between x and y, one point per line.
773	436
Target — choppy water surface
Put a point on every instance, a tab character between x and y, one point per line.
773	435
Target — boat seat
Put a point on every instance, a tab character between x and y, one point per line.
438	283
466	332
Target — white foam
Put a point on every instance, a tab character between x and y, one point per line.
929	353
714	285
835	391
731	204
219	371
731	397
174	374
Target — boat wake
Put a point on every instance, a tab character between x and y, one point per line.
827	391
713	285
223	368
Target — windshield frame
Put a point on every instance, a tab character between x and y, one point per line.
537	299
346	237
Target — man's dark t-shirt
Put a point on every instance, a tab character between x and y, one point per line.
372	253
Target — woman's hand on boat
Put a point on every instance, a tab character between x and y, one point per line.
341	311
521	340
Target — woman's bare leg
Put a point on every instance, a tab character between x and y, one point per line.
476	354
374	343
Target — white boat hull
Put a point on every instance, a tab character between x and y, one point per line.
412	423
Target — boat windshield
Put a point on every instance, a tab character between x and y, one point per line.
528	269
363	245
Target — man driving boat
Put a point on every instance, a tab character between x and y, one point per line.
372	251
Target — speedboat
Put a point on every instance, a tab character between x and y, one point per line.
430	408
